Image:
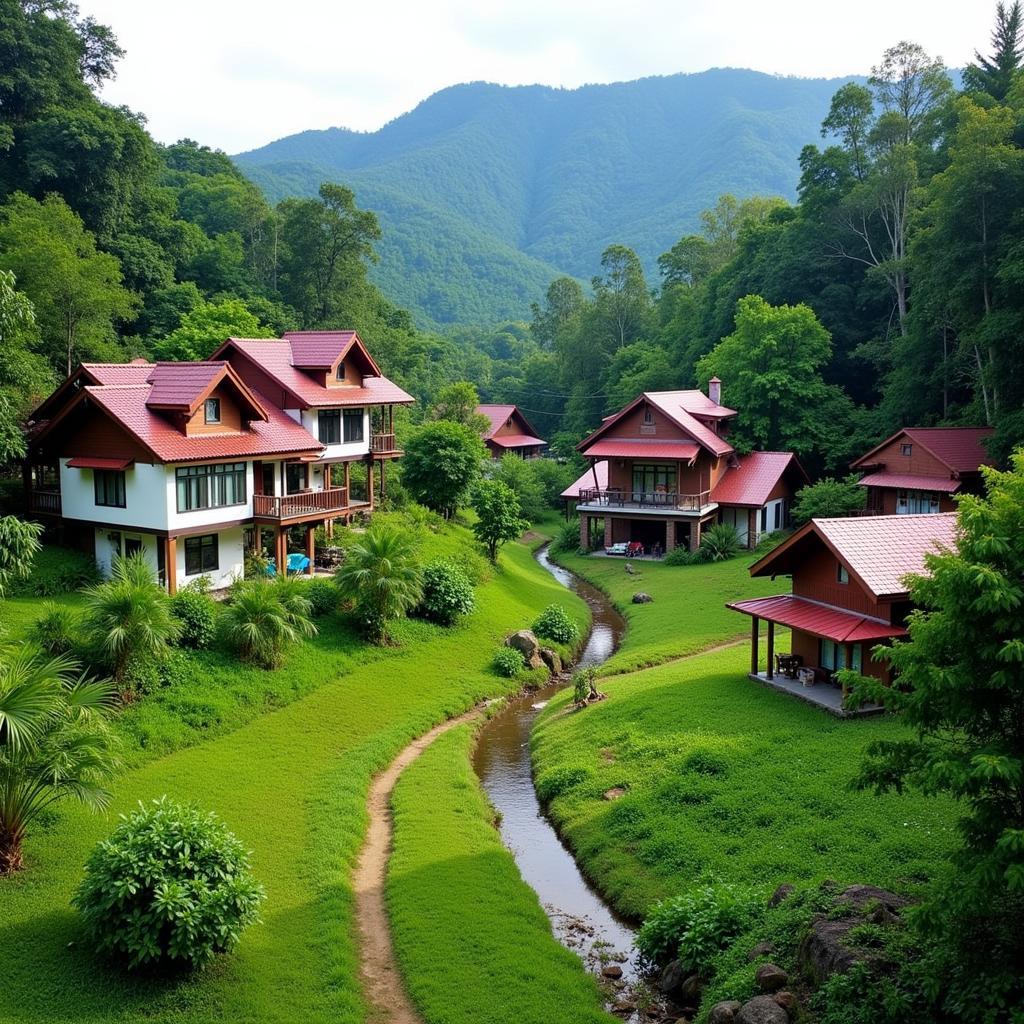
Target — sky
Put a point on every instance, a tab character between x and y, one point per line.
235	75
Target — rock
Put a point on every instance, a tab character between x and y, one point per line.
672	978
786	1000
771	977
760	950
724	1012
690	990
863	896
780	895
823	951
552	659
526	644
761	1010
612	971
642	598
614	793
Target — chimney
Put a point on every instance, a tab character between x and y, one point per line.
715	390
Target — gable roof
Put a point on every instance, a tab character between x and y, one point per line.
319	350
134	372
682	408
878	551
586	481
961	449
183	387
752	480
498	415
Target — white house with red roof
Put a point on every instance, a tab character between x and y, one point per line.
667	472
193	463
509	431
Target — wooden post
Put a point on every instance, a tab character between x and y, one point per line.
281	551
171	564
369	482
348	481
310	547
383	479
754	640
849	663
771	649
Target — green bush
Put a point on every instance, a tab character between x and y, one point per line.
718	544
447	593
567	536
263	619
55	631
323	597
198	617
554	624
679	556
171	886
57	571
508	661
255	565
696	926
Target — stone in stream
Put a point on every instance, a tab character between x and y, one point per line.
552	659
612	971
526	644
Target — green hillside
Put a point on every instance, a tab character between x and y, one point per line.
485	192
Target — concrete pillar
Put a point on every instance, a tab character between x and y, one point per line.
585	532
608	531
670	536
694	534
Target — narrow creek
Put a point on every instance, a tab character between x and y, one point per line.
579	917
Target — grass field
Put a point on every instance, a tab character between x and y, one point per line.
471	938
724	777
292	784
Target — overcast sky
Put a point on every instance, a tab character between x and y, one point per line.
235	74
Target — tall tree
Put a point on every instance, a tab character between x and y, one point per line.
207	326
994	74
458	402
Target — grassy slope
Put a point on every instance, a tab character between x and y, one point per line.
293	785
723	775
488	953
688	613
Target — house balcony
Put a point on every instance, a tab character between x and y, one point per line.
45	503
604	499
302	506
383	444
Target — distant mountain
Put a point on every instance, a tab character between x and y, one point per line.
487	192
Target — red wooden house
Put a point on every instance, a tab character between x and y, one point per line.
508	430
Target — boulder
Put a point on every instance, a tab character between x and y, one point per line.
552	659
642	598
780	895
771	977
690	990
786	1000
526	644
863	896
671	978
612	971
724	1012
824	952
761	1010
760	950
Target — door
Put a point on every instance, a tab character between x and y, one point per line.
296	477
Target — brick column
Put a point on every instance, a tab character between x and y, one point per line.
607	531
310	547
694	534
585	532
670	535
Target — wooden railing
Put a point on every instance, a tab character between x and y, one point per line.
382	443
44	501
615	497
288	506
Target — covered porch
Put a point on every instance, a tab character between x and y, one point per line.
655	534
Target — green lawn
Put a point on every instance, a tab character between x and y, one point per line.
473	943
292	784
724	777
688	613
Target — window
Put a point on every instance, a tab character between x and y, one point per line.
269	473
109	484
654	483
201	554
210	486
211	409
132	546
833	656
764	519
916	502
353	425
329	426
906	449
841	574
648	416
778	516
339	373
295	477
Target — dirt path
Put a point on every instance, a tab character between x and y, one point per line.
382	980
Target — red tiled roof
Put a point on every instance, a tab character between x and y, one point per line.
119	373
178	385
757	474
497	416
960	448
628	448
127	405
516	440
275	359
908	481
587	481
318	350
820	620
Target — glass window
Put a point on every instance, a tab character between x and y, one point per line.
132	546
764	519
906	449
353	425
916	502
201	554
778	516
833	656
329	426
212	410
648	416
339	373
210	486
841	574
295	477
653	482
109	484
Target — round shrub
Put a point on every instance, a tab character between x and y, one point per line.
719	543
554	624
197	615
679	556
447	593
170	887
508	661
323	597
55	631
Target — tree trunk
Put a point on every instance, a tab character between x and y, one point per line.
10	851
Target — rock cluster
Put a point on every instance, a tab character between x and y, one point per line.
535	656
642	598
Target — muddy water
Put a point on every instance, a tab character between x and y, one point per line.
578	915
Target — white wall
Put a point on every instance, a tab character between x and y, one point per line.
106	550
204	516
310	421
231	559
738	519
145	497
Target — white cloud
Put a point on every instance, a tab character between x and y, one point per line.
236	75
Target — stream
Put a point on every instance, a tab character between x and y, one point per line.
579	917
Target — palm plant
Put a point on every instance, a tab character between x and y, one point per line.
382	578
129	618
264	619
54	742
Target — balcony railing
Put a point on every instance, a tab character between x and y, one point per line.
382	443
290	506
670	501
46	502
